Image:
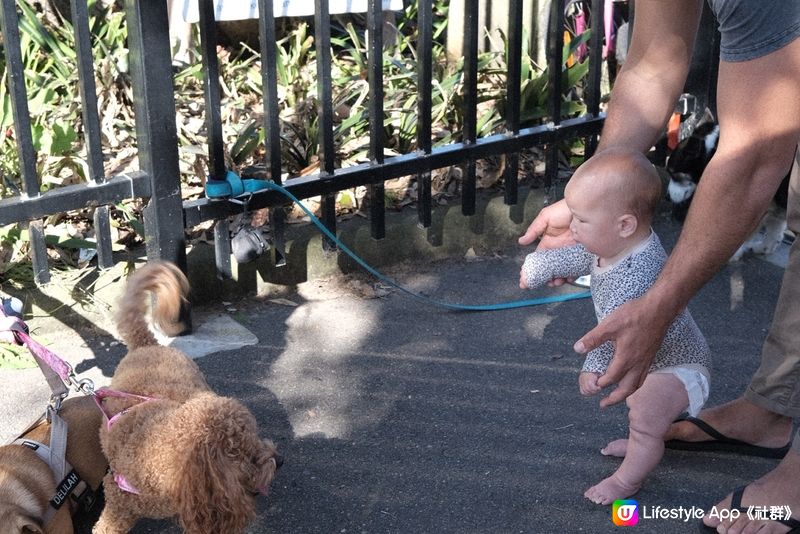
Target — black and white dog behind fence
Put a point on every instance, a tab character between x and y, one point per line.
685	166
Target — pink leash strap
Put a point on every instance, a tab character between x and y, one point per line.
56	371
124	485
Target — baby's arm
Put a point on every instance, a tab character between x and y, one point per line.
541	266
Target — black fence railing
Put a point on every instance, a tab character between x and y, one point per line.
158	178
166	215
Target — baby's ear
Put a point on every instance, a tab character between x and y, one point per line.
627	224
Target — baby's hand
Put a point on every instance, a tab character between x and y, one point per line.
522	283
534	273
588	383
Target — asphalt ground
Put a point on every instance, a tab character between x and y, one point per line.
395	416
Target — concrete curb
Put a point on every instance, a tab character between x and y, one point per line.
494	225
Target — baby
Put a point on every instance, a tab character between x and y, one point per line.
612	198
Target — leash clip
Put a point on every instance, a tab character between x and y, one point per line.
82	385
54	406
85	386
243	200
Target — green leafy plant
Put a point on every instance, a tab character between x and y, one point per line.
535	93
15	357
50	68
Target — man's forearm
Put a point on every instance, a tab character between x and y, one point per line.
727	206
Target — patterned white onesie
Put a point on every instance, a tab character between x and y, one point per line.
612	286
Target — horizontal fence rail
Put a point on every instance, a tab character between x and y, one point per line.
198	211
157	182
75	197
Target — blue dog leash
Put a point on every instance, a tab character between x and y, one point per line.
468	307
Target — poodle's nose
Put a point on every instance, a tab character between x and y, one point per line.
278	460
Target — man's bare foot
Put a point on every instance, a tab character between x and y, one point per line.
739	419
610	489
777	488
617	448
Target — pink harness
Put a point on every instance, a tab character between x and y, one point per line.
104	393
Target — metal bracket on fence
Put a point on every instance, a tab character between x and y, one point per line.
247	242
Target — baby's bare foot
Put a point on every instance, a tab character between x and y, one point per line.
611	489
617	448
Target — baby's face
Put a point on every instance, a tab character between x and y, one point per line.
594	220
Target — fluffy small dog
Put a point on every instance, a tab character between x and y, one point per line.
685	166
187	452
27	483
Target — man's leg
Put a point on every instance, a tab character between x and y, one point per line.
775	389
773	397
776	385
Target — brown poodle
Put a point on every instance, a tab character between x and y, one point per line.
184	450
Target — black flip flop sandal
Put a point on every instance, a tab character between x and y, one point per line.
722	443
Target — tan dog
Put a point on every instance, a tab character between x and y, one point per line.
27	483
188	452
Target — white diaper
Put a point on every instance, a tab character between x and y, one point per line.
695	379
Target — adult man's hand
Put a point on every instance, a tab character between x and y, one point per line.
636	329
551	227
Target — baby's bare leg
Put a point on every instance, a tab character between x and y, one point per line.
652	408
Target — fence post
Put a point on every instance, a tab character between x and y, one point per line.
701	81
156	133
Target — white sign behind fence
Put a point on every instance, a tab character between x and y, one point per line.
248	9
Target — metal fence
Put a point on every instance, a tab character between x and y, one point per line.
158	176
166	215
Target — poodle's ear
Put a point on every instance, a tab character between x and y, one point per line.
210	495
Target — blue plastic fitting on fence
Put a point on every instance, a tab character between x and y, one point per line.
232	186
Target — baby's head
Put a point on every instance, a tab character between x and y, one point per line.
613	197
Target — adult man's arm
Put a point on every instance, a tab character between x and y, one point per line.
759	115
643	97
654	73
